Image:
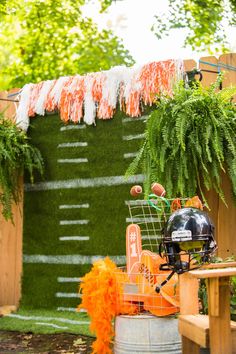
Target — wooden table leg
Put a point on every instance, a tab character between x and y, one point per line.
189	347
219	315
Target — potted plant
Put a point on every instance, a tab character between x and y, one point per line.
16	156
190	139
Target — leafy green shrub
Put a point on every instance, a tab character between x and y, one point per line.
16	155
190	139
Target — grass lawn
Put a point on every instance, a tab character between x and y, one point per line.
46	322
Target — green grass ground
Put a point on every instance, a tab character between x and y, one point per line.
46	322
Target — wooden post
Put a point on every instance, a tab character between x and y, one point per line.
227	214
11	238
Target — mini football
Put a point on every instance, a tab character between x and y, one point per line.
136	190
158	189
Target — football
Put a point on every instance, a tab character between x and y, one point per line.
136	190
158	189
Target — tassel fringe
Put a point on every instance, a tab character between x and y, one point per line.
98	94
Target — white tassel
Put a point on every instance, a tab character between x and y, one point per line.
40	104
22	117
179	67
110	89
89	104
131	81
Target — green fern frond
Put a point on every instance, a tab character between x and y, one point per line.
16	156
190	140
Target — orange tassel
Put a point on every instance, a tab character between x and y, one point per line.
157	77
77	99
65	101
50	103
33	98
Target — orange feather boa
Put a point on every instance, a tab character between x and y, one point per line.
102	297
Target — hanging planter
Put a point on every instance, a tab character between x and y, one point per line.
190	140
16	155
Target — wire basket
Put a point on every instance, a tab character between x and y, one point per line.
151	216
138	285
138	296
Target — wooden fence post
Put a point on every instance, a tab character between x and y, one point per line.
11	239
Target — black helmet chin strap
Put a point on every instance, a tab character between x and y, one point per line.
158	287
163	267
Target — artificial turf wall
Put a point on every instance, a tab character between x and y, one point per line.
77	213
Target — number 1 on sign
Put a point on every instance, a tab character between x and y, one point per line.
133	246
133	250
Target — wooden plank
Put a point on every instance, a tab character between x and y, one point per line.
227	63
227	215
209	63
227	221
189	64
11	237
211	273
189	346
219	265
209	67
189	304
213	297
196	328
219	326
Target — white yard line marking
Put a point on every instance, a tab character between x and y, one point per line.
69	309
130	154
83	183
154	237
68	295
82	160
50	325
74	238
38	318
73	222
133	137
128	120
74	144
137	202
70	259
143	219
72	127
73	206
68	280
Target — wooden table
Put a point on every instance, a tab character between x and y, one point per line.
218	307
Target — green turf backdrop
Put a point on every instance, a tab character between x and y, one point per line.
77	198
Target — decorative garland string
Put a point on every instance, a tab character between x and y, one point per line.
94	95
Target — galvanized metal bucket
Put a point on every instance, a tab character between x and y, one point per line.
146	334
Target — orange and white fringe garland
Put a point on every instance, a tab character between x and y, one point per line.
94	95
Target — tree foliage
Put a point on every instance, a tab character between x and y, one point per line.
45	39
206	22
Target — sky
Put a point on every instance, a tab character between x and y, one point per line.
131	20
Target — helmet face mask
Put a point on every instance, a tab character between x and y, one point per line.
188	240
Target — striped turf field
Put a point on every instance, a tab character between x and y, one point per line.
76	214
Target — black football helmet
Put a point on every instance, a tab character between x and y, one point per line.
188	240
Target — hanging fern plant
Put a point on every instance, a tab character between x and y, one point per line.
16	155
190	139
